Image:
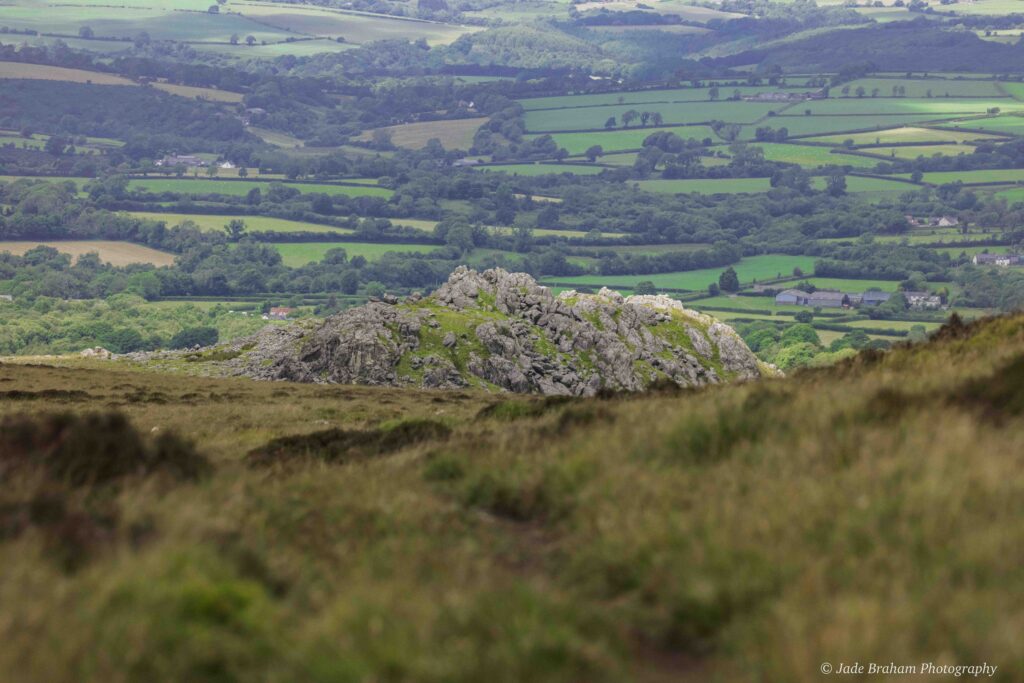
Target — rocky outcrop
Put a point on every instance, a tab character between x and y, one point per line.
502	330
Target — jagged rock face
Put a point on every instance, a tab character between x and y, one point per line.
502	330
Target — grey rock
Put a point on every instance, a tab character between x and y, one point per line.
512	334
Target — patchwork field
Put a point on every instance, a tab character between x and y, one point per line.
667	96
453	134
297	254
915	151
354	27
42	72
907	134
812	157
1006	125
1008	175
919	87
850	285
543	169
800	125
616	140
216	223
160	23
706	186
748	269
196	186
679	113
113	252
211	94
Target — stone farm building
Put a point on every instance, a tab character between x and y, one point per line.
829	299
1003	260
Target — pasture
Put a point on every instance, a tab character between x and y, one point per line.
1005	125
594	118
113	252
810	156
915	151
937	107
160	22
194	93
638	97
1012	196
906	134
801	125
543	169
920	87
354	27
998	175
706	186
621	140
849	285
295	254
42	72
254	224
752	268
453	134
238	188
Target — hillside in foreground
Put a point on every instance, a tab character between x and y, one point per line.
231	530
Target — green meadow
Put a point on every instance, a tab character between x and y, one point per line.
764	267
196	186
216	223
811	156
297	254
681	113
628	139
543	169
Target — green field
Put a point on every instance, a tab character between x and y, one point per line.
915	151
688	112
649	97
812	157
860	184
919	87
707	186
297	254
451	133
161	23
216	223
905	134
849	285
1012	196
938	107
543	169
1007	125
800	125
354	27
753	303
618	139
749	269
237	188
1001	175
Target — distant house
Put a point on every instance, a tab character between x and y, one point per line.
828	300
227	165
933	221
922	300
874	297
280	313
1003	260
187	160
462	163
791	297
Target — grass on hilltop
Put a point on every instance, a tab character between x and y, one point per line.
315	533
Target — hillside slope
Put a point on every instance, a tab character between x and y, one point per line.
499	330
869	512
